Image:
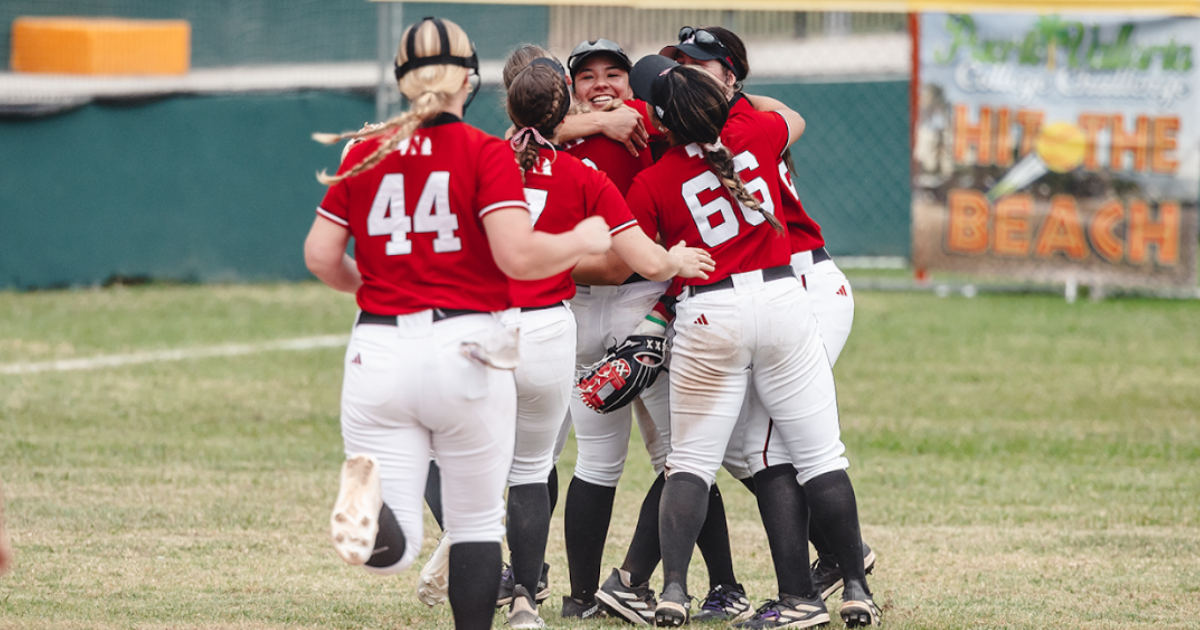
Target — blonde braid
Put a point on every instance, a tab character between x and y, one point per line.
395	130
721	162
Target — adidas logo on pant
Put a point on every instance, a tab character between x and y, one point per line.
702	320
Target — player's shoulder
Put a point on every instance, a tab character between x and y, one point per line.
638	105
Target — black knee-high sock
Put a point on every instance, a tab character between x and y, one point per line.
680	516
433	493
784	511
552	487
817	538
528	526
474	581
586	516
833	508
644	550
713	541
389	542
749	483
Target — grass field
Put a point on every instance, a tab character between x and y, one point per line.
1020	463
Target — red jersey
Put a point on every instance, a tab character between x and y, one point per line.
611	157
685	200
803	232
561	194
417	219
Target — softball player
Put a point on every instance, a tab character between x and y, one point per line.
438	216
754	448
610	303
752	312
560	191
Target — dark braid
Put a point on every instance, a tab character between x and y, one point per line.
721	163
696	110
791	164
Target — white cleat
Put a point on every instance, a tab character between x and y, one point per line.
355	519
433	586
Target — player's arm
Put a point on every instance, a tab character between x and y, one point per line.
601	269
655	263
623	124
794	120
526	254
325	255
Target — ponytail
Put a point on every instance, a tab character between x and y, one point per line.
424	108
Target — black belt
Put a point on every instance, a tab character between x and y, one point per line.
526	309
390	320
820	254
768	274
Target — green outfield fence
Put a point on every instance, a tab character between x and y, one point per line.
210	177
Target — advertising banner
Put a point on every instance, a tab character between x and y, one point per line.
1057	147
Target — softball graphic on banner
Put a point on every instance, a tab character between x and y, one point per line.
1058	147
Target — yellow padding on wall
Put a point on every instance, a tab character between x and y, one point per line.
72	45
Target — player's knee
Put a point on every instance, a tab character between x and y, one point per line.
812	471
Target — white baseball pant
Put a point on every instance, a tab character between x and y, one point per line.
756	332
833	307
606	315
544	386
409	389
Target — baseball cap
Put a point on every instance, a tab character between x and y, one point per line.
703	45
589	48
646	79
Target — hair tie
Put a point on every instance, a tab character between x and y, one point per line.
521	139
714	147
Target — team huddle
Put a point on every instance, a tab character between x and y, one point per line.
635	250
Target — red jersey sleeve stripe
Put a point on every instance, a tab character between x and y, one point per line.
623	227
333	217
504	204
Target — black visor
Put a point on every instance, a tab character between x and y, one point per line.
600	46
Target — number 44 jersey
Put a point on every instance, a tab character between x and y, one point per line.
417	219
684	199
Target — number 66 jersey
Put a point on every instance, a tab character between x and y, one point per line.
417	219
685	199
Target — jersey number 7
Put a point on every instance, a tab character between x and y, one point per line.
432	214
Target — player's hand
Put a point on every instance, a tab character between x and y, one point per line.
693	261
593	233
625	125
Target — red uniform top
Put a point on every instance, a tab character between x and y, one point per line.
685	200
804	233
417	219
561	194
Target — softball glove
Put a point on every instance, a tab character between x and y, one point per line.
624	372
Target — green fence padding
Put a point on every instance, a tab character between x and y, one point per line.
191	189
853	162
222	187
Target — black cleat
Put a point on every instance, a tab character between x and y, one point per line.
725	602
673	607
858	609
827	575
507	582
634	604
788	611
